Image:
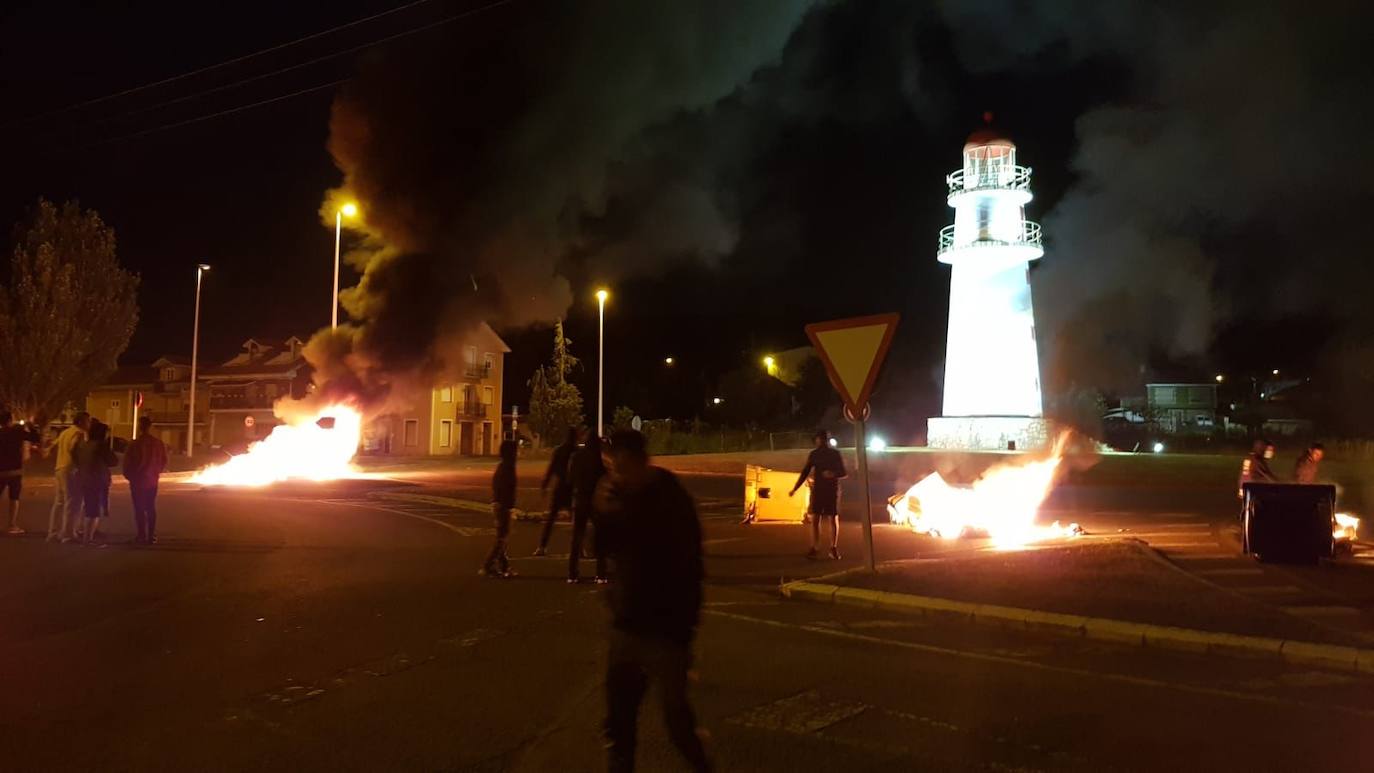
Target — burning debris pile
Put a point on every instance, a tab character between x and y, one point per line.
1001	505
1347	528
318	445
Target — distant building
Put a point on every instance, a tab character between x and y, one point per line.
242	390
165	387
460	417
234	400
1182	409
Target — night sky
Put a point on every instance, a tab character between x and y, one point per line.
733	170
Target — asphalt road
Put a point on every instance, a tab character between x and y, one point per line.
345	628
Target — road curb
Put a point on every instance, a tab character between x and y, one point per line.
1331	656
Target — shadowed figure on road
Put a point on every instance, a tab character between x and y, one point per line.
653	537
557	476
502	500
586	471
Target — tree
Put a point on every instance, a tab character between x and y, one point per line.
555	403
67	312
623	418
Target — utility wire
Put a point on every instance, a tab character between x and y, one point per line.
325	57
200	118
208	68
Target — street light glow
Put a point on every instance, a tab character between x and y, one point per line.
1159	448
1220	378
877	445
203	266
1276	371
602	295
349	209
717	400
667	360
769	362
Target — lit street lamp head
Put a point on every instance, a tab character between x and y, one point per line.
769	362
667	360
602	295
349	209
203	267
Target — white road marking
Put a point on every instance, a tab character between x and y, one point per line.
801	714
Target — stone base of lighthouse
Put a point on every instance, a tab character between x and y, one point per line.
988	433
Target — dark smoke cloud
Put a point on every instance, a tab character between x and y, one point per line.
477	157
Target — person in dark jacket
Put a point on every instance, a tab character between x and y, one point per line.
586	471
1255	467
828	468
502	500
1305	471
17	443
557	475
94	457
653	538
144	461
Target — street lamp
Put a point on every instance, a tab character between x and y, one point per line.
347	210
667	360
1220	378
195	350
601	296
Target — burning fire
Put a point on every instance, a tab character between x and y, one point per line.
1001	505
1347	527
315	447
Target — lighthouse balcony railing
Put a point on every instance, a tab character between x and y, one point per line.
1007	178
1030	237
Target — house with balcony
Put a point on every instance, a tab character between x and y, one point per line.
164	386
459	416
243	389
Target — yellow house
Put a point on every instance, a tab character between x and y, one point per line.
164	386
461	417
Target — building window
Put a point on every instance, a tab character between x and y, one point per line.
488	362
446	394
169	374
488	395
114	403
445	434
470	354
412	432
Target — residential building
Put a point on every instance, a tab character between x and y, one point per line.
165	386
461	416
243	388
1182	409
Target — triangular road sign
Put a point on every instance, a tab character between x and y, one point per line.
853	350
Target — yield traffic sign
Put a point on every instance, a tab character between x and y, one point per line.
853	351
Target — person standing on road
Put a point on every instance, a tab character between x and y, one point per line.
1255	468
561	498
66	503
502	500
828	467
16	443
653	535
144	461
94	458
586	470
1305	471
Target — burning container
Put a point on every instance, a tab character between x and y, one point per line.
1289	522
765	496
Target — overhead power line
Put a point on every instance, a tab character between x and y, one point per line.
217	65
316	60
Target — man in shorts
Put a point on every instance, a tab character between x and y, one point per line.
16	442
827	466
64	520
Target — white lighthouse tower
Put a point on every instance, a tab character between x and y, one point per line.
992	369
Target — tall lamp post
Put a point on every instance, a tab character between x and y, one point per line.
601	296
195	350
347	210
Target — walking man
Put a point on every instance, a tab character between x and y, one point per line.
1305	471
144	461
64	518
654	539
16	443
561	499
586	471
828	466
502	500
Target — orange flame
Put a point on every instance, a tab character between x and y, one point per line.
1002	504
301	450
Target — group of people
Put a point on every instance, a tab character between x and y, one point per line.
648	549
1256	468
84	454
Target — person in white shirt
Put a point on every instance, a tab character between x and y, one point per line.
64	520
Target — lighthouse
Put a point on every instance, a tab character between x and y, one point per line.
992	394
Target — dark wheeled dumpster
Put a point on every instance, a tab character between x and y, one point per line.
1289	522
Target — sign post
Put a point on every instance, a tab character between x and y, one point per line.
852	351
